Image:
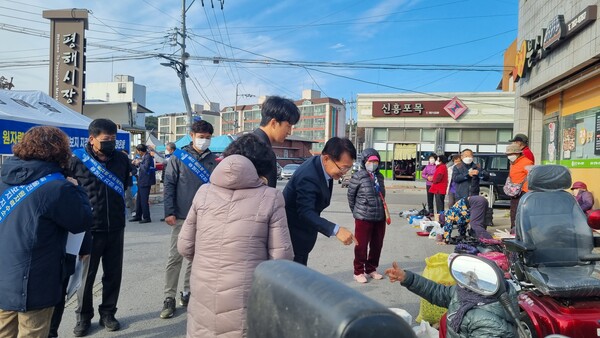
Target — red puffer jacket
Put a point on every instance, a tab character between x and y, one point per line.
440	180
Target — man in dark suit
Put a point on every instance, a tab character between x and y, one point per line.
309	192
278	117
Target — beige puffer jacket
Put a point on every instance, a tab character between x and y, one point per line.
234	224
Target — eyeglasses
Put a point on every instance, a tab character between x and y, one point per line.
343	170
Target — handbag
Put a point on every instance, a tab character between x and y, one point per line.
513	189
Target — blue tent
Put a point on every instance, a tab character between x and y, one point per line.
217	144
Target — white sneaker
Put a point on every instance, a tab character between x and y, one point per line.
376	275
360	278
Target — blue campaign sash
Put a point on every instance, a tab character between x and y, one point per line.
196	167
100	171
15	195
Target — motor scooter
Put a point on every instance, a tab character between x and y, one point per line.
552	259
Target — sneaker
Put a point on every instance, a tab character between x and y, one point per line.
360	278
375	275
110	322
82	328
185	298
168	308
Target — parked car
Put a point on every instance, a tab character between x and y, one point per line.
279	170
288	171
497	166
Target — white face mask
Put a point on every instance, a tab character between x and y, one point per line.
202	143
431	161
371	167
468	160
512	158
437	162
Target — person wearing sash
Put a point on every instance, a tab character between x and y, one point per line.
38	208
103	173
278	117
146	179
181	183
366	198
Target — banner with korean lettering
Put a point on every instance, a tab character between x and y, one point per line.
22	109
12	132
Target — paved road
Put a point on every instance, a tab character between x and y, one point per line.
146	247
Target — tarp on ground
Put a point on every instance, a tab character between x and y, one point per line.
22	109
217	143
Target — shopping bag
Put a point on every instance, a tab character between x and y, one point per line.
437	270
425	331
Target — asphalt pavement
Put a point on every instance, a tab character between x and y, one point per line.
146	248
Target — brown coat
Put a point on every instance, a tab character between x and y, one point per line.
234	224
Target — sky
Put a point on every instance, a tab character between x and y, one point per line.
339	47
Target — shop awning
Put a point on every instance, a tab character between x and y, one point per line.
405	151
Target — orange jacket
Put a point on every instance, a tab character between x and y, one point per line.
519	170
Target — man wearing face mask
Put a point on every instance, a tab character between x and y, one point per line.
146	179
181	183
466	176
103	173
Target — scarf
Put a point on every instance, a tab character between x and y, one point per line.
468	300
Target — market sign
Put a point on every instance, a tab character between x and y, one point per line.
534	50
67	56
450	108
597	135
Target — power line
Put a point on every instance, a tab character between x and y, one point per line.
160	10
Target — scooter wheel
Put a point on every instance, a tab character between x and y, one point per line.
527	324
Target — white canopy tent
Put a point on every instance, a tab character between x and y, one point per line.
21	110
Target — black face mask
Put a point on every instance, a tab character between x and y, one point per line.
107	147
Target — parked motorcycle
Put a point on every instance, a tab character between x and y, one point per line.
552	259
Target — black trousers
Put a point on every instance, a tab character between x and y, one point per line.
301	258
108	247
439	203
142	209
429	199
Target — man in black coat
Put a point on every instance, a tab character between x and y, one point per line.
466	176
108	228
146	179
308	193
278	117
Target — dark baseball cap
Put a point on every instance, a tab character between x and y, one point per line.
520	137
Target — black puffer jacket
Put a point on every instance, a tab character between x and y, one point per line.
364	201
108	206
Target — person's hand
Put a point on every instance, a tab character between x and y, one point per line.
171	220
429	178
345	236
473	172
395	273
72	180
82	257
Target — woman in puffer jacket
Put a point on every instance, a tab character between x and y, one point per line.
469	315
235	223
365	197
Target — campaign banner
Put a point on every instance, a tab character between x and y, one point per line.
13	131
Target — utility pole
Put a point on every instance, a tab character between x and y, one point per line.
236	124
183	72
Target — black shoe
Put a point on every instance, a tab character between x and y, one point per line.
168	308
135	219
82	328
145	221
110	322
185	299
53	333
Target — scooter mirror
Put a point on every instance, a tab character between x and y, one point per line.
594	219
477	275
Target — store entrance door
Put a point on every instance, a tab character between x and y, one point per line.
405	161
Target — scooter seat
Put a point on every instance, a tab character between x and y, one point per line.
567	281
